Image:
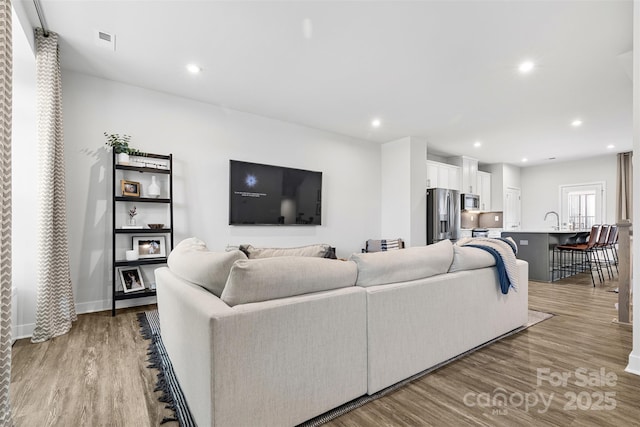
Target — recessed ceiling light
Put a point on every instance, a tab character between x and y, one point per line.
193	68
376	123
477	144
524	160
610	146
526	67
576	123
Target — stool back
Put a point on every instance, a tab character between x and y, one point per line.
593	236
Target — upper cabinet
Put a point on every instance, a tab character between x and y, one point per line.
469	168
442	175
484	190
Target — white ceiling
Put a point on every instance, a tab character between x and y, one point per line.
442	70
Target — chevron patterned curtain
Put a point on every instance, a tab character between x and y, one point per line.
6	71
55	308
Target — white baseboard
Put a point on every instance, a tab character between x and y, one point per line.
23	331
634	364
26	331
104	305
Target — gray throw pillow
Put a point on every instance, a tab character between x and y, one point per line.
255	280
193	261
468	258
319	251
418	262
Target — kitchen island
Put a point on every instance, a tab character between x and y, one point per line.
536	247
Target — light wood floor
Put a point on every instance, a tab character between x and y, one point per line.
96	375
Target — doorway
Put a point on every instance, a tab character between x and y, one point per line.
511	209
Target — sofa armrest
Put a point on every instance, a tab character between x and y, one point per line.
186	312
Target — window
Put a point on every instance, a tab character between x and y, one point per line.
582	205
582	209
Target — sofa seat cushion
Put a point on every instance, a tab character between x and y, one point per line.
193	261
379	268
255	280
319	251
468	258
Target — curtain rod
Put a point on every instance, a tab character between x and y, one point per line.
43	22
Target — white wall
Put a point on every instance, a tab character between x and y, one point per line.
404	178
497	186
202	139
24	177
540	187
511	177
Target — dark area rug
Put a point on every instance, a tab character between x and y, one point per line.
167	382
173	397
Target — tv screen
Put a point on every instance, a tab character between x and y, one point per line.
273	195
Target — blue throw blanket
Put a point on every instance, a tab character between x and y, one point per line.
505	283
498	248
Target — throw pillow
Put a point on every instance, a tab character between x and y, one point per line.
467	258
255	280
192	260
378	268
319	251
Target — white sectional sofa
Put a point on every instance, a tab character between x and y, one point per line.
278	341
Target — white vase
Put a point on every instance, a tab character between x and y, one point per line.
131	255
123	158
154	188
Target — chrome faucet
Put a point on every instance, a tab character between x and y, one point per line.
557	227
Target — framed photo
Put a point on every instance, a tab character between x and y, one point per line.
131	279
149	246
130	188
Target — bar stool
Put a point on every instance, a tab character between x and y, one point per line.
602	248
612	241
586	252
562	266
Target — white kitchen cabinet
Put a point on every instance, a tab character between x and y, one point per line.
454	177
432	174
469	169
442	175
484	190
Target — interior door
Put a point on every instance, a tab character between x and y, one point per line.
511	213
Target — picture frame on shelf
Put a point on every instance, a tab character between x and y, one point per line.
150	246
130	188
131	279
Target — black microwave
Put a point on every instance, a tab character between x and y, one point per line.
469	202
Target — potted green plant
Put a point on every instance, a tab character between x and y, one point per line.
120	145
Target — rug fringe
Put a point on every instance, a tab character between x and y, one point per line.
155	361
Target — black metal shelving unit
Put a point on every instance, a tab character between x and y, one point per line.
115	199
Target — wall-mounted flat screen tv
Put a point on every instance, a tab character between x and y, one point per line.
273	195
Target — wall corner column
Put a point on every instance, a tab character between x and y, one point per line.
403	193
634	358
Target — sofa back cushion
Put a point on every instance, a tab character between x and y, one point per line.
193	261
379	268
319	251
468	258
255	280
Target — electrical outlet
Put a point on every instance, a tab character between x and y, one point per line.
496	218
471	217
524	242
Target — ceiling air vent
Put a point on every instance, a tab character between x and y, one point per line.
105	40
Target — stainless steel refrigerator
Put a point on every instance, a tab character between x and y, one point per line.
443	214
